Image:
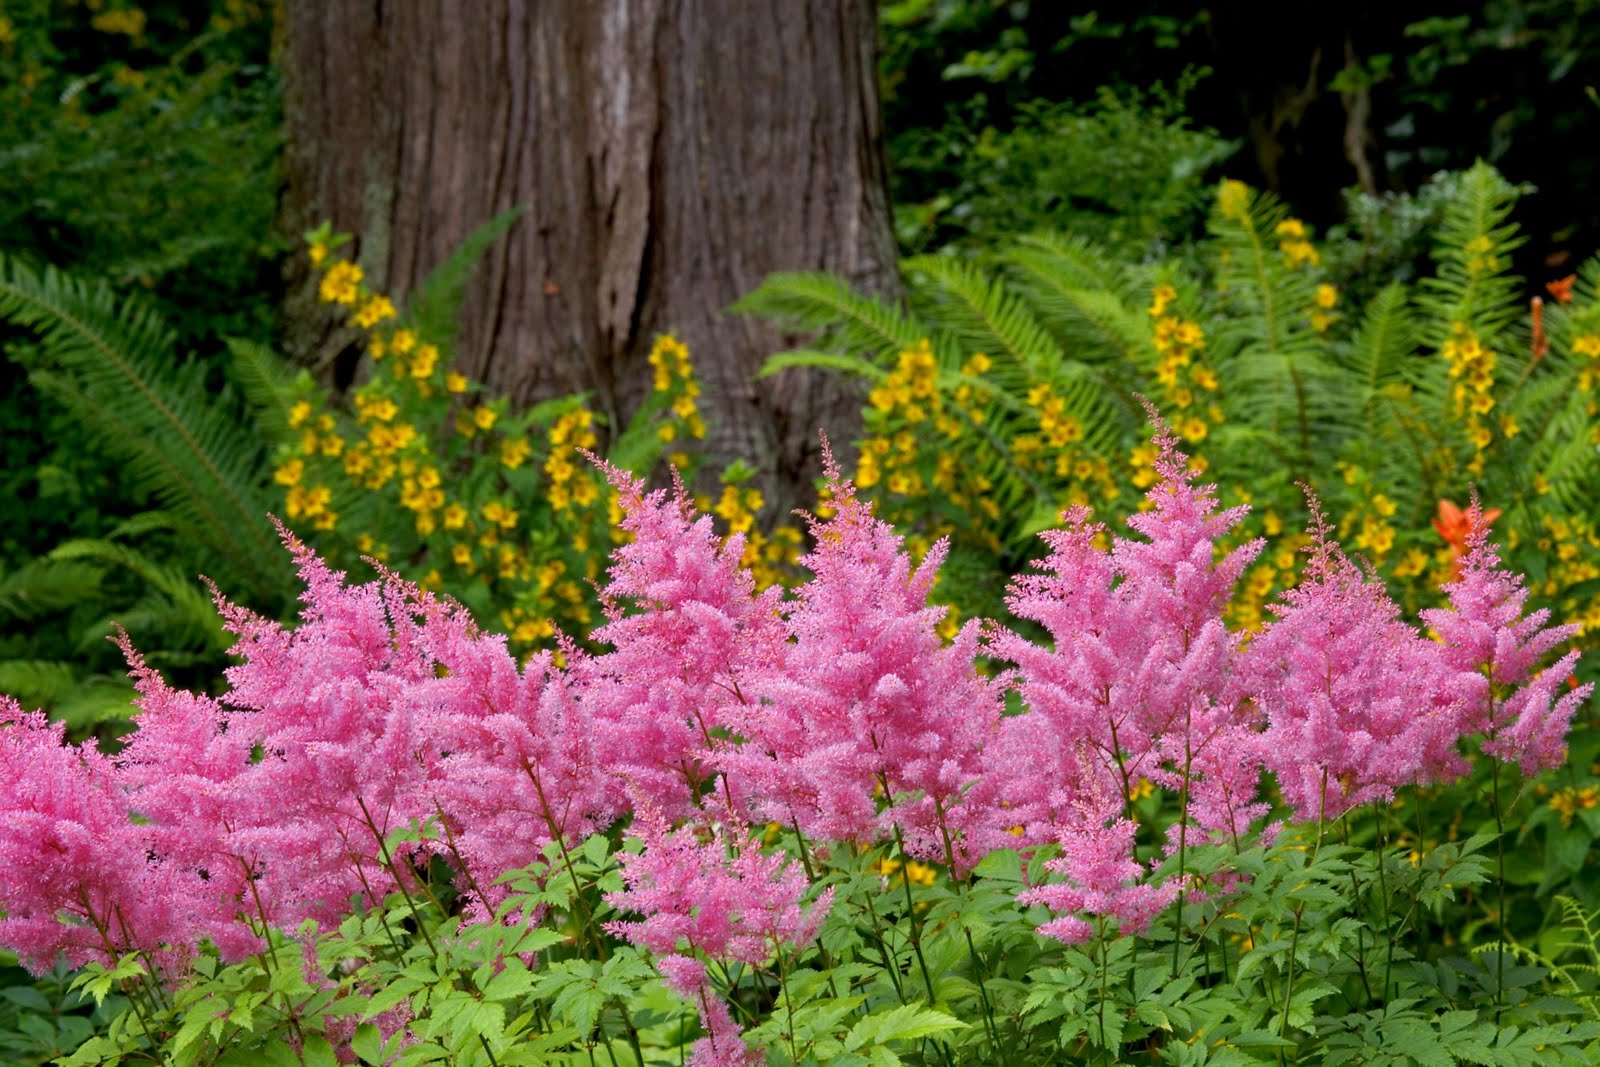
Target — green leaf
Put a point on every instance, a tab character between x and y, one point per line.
909	1022
807	357
368	1043
512	982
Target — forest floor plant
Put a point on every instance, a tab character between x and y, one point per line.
750	828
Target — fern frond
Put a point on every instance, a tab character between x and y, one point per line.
42	586
1274	364
816	301
37	683
1473	287
836	361
1089	321
94	703
183	603
264	378
434	307
109	360
980	314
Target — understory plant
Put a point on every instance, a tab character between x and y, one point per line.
1004	389
421	468
749	827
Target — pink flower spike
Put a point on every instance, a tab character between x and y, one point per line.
1493	651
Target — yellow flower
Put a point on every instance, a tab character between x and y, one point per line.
1587	345
290	473
429	477
403	342
299	413
515	452
427	359
377	309
129	21
483	417
1327	296
1233	200
341	285
462	554
455	383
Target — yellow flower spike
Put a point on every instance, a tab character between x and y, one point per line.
341	285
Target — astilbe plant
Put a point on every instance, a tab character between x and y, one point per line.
385	734
870	704
721	897
1358	704
1138	683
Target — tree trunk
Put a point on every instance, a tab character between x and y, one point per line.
670	154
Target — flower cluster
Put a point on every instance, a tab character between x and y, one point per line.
1180	343
1295	245
673	380
711	709
1472	372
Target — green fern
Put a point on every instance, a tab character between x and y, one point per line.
1472	286
266	381
981	314
109	360
43	587
823	302
1280	381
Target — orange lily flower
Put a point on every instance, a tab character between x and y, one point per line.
1561	288
1454	524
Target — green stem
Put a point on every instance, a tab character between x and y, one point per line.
1500	881
388	863
1299	911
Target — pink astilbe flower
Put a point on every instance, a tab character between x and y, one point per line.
723	897
722	1045
1138	681
1102	879
1355	703
338	754
1493	652
77	875
681	664
872	704
519	768
183	769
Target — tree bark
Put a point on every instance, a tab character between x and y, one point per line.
670	155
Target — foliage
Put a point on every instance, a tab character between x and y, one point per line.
182	448
801	832
1126	170
1005	392
143	149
